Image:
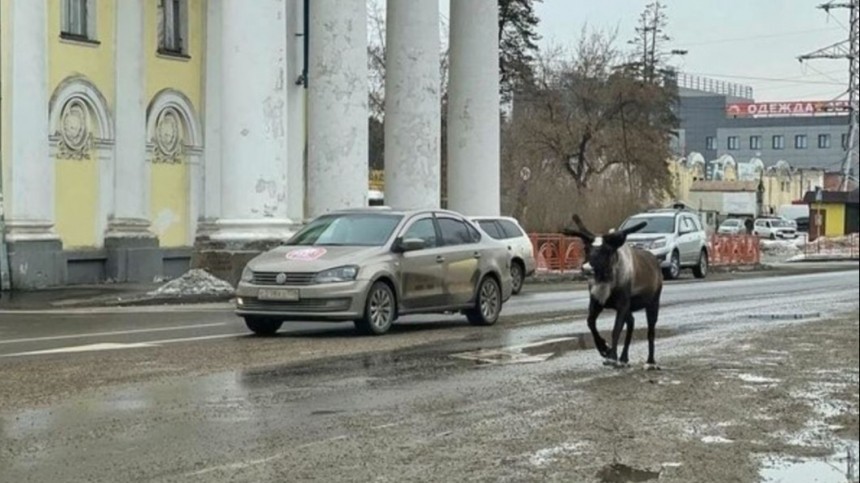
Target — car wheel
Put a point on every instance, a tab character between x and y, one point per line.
262	326
674	270
701	269
488	303
379	311
518	275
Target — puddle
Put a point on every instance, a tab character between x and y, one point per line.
620	473
543	350
756	379
840	467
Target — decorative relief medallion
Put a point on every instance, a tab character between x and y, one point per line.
168	137
75	137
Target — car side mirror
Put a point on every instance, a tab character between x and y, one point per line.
408	245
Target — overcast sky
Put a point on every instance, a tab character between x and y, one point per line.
728	39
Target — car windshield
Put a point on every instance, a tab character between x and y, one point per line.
731	223
655	224
353	229
778	223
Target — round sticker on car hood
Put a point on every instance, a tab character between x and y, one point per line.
306	254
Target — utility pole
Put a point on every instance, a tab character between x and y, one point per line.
846	49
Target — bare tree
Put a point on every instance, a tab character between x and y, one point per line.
596	125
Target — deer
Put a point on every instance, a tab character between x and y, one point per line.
621	278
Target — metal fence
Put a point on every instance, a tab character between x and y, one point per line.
559	253
834	247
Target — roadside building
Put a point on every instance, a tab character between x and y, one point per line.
142	137
833	213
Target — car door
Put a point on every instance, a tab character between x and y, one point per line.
517	239
421	274
461	259
687	240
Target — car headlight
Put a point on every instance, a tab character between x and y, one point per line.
658	243
339	274
247	274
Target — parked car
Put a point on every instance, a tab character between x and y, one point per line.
732	226
374	264
676	237
774	228
802	224
508	230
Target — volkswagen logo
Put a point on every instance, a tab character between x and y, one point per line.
281	278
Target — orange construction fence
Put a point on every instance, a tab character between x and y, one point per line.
559	253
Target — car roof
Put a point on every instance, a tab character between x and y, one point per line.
487	217
394	211
656	214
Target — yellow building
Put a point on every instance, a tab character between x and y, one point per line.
782	184
101	184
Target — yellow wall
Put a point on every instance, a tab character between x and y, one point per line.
169	203
77	202
169	195
77	181
834	223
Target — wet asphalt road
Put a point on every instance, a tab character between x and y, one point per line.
384	412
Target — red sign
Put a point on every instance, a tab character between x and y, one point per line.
306	254
786	108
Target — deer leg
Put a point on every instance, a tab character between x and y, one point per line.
651	312
620	319
594	310
627	339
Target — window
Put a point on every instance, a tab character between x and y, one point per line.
779	142
755	142
511	229
77	21
370	230
456	232
710	143
801	141
492	229
173	27
423	229
823	141
733	143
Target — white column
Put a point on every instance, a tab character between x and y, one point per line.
337	106
412	104
253	121
473	108
212	116
29	202
130	213
296	112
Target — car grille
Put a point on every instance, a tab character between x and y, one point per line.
270	278
306	305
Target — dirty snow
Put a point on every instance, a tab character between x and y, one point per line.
194	282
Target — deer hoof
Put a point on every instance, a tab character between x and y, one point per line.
610	362
652	367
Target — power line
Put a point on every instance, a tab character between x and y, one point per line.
756	37
846	49
767	79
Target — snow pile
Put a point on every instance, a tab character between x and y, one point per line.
779	249
848	241
194	282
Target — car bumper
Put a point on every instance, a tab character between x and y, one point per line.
786	236
530	266
334	302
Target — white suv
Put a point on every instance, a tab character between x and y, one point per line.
775	228
676	237
508	230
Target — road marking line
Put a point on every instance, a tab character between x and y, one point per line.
117	346
107	334
134	309
104	346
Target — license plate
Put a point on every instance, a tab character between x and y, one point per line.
282	294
